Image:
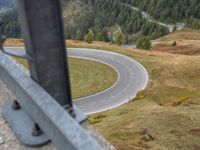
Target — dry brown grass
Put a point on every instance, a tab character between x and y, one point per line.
168	108
185	34
14	42
187	47
188	42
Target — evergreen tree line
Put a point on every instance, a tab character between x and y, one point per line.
168	10
193	23
9	25
98	15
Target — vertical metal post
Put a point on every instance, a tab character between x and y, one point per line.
1	41
2	38
42	28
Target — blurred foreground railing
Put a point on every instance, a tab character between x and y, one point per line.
44	109
64	131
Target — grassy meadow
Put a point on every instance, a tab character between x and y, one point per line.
87	77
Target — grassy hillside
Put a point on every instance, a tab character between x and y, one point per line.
168	110
165	116
185	34
187	42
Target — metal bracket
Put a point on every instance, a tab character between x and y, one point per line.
16	53
22	125
2	40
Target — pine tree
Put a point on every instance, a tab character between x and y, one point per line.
89	37
147	44
99	37
140	43
120	38
144	43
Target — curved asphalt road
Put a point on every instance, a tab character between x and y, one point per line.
132	77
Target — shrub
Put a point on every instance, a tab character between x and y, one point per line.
89	37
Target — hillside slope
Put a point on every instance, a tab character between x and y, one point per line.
166	114
168	10
100	15
187	42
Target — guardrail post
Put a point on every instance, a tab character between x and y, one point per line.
2	39
42	29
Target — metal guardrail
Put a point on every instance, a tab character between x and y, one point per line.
56	123
44	110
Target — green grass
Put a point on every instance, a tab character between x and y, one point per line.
169	108
88	77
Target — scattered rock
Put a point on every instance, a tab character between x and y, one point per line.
148	138
143	131
145	135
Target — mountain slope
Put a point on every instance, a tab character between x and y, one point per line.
100	17
168	10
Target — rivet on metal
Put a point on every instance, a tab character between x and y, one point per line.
16	105
36	130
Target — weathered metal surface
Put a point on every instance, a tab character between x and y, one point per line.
42	29
12	143
58	125
22	125
20	54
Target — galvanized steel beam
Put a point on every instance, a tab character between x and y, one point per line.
57	124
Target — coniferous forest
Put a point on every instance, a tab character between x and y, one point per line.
9	24
97	17
168	10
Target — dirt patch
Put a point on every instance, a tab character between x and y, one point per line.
184	47
195	131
